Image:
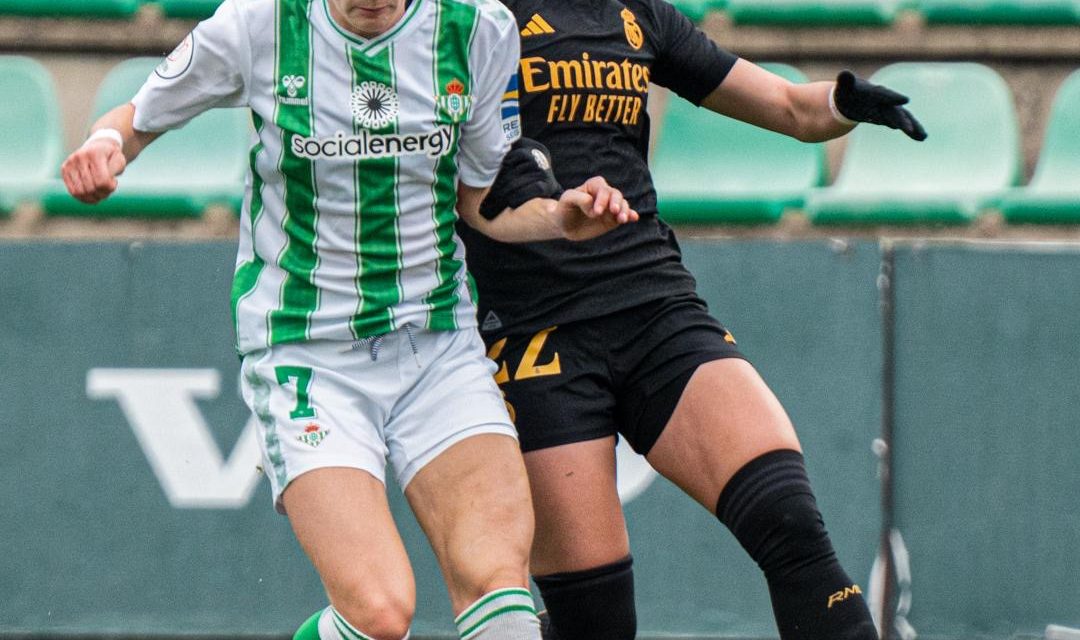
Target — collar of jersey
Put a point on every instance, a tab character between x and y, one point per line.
366	45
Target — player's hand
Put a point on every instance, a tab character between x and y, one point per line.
90	172
592	210
862	101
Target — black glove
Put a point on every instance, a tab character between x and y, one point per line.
525	174
862	101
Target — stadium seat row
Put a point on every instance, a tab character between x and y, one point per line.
884	12
106	8
782	12
708	169
180	175
714	170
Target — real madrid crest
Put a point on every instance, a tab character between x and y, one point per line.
454	103
634	35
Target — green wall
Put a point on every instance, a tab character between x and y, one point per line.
131	503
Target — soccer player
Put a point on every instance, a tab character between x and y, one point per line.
609	337
374	119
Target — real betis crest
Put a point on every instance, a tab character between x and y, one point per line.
454	103
313	435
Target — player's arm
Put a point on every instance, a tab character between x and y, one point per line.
208	69
811	112
89	173
693	66
526	203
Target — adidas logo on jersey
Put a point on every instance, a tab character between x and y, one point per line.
536	26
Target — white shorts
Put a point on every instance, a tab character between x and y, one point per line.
409	395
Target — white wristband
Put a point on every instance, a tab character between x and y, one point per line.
109	134
839	117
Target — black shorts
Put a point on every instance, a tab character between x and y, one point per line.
621	373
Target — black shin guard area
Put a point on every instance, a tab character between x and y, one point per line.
595	604
769	506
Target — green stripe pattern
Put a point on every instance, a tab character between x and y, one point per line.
247	274
261	406
347	631
377	211
493	605
299	296
455	28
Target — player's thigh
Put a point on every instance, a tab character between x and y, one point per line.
579	518
342	520
322	449
472	501
725	417
454	450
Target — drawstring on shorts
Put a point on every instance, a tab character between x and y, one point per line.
374	344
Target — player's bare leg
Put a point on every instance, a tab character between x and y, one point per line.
731	446
726	417
473	503
581	553
342	520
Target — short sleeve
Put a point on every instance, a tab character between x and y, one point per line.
495	122
688	62
208	69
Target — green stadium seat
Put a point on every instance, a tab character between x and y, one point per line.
1053	196
33	135
813	12
1000	11
971	156
193	9
182	173
696	9
75	8
709	169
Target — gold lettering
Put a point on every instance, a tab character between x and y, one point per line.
553	107
843	595
575	102
569	71
590	107
635	112
503	376
614	76
528	70
588	70
528	367
638	76
612	101
598	67
626	67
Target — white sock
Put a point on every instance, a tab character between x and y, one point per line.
334	626
503	614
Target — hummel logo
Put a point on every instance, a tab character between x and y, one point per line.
537	26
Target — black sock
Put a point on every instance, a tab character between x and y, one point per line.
595	604
769	506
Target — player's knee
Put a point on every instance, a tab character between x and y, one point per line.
771	509
380	613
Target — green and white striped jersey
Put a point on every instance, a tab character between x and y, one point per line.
348	223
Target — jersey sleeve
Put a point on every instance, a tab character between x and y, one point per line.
688	62
495	122
210	68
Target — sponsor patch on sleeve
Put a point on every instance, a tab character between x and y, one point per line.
511	110
176	63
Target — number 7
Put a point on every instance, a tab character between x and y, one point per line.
302	375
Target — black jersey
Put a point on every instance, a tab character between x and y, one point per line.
584	80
